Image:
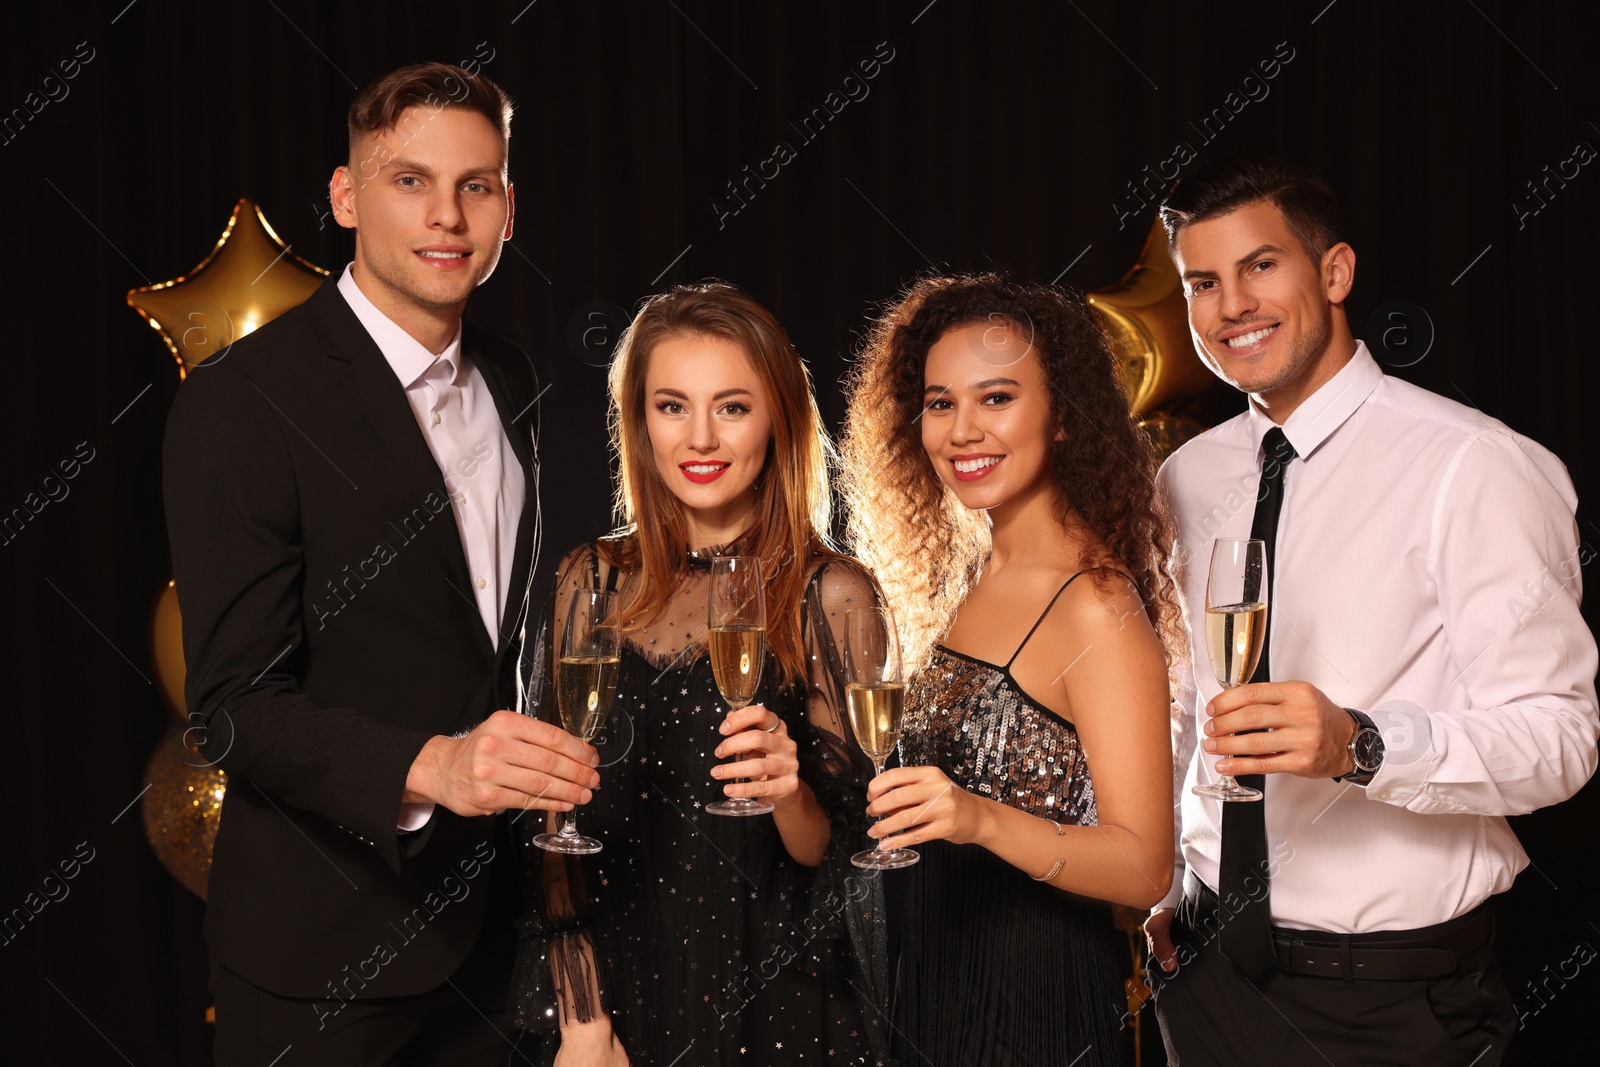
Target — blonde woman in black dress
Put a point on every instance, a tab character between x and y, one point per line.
691	939
1003	495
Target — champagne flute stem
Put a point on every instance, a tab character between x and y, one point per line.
738	757
877	769
569	824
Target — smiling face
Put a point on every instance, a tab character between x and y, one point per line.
987	426
1265	318
431	206
710	423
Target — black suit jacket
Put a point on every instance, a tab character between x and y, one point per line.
330	629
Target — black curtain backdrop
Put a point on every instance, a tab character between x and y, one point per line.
994	135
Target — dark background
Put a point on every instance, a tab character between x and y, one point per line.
998	136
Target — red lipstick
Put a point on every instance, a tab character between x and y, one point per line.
703	477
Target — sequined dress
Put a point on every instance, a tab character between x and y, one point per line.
995	968
705	942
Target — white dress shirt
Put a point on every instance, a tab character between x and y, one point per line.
457	416
1427	572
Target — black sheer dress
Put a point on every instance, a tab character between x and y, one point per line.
996	968
699	935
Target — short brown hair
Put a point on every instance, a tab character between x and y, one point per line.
1229	183
431	85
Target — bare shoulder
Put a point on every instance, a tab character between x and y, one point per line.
1108	601
1102	613
1094	649
1101	594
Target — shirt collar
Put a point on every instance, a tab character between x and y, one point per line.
1327	409
406	356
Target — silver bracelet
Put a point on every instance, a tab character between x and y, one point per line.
1055	868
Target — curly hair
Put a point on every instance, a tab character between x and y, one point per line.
905	524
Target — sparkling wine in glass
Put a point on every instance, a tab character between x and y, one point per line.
586	686
1236	626
738	638
874	699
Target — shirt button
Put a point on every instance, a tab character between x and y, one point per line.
461	498
482	582
436	418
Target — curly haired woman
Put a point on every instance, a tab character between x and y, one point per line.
1005	498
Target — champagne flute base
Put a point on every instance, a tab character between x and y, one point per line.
739	806
885	860
569	844
1228	791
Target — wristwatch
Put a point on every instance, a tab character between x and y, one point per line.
1365	748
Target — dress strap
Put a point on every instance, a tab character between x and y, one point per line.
1040	620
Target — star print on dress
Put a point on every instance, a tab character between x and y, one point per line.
704	929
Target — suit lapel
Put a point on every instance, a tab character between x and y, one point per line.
518	424
362	369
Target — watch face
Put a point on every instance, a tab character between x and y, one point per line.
1367	750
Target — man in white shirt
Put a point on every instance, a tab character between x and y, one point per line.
352	501
1418	694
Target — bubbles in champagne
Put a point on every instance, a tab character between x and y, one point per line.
1234	633
737	655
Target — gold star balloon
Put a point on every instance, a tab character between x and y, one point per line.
248	279
1145	317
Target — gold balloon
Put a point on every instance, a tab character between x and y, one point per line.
1147	321
182	808
248	279
166	648
1148	324
251	277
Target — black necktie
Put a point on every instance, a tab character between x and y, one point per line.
1247	932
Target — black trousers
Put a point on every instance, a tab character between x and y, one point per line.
1211	1015
454	1024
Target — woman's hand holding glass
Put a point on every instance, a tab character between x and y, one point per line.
918	804
875	691
737	631
760	754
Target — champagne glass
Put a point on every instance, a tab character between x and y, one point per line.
738	638
1236	626
874	697
586	685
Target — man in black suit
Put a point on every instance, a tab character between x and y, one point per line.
352	501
